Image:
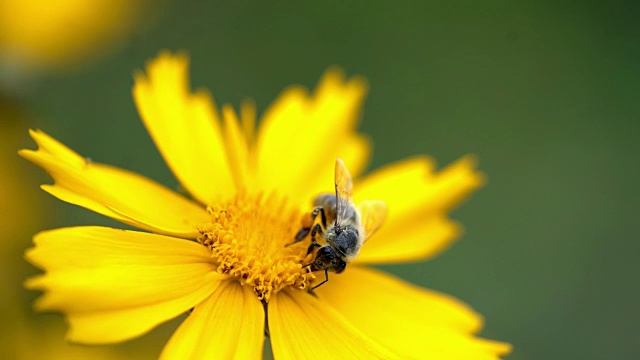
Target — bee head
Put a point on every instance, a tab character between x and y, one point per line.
327	259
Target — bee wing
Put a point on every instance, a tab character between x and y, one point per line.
372	214
344	189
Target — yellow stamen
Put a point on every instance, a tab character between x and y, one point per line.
248	238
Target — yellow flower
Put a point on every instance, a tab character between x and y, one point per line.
224	253
57	33
18	215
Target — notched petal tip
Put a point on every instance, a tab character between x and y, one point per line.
292	94
42	303
132	278
35	133
25	153
168	59
418	197
48	146
140	81
498	348
184	125
470	163
458	180
120	194
169	65
34	255
31	257
33	283
335	77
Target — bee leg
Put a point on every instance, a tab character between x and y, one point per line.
316	229
326	278
304	231
323	216
311	246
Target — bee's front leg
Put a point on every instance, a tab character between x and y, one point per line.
326	278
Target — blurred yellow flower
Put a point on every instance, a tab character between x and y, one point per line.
17	212
31	340
250	188
55	33
23	335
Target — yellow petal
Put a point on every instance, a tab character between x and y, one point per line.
301	135
413	185
302	327
418	199
185	127
227	325
398	184
370	291
237	148
414	322
354	150
115	284
409	241
117	193
455	182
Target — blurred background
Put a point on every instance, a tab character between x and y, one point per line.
546	93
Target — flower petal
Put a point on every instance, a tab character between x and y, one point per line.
361	290
409	241
418	199
413	185
115	284
301	135
302	327
424	323
185	127
227	325
237	148
354	150
117	193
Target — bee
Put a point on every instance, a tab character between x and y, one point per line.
343	225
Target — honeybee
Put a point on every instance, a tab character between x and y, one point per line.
343	225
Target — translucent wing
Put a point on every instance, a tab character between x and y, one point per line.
372	214
344	188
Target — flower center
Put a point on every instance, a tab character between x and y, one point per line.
249	237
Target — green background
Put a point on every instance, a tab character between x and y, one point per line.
545	93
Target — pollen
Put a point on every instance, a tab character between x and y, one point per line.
251	237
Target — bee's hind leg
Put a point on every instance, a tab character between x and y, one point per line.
304	231
300	235
323	216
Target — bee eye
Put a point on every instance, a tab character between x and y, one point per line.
339	265
326	254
